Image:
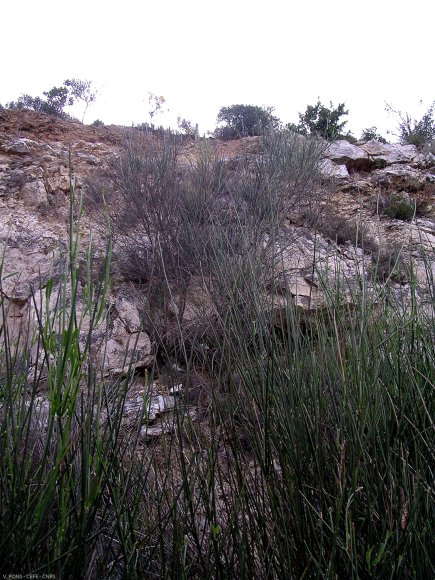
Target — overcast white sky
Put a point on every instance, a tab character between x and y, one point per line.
205	54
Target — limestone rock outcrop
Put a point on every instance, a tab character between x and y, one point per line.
40	157
388	154
342	152
373	155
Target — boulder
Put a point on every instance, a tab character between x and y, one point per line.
27	266
114	349
34	193
127	305
57	178
122	348
129	315
22	146
389	153
400	176
343	152
424	160
332	170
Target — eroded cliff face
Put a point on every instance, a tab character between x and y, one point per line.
41	156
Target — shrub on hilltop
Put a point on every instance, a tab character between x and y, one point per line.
57	99
245	121
372	133
418	132
323	121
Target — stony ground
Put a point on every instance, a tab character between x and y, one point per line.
39	155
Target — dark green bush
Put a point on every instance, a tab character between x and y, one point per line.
54	104
226	133
349	138
245	121
57	98
372	133
323	121
399	207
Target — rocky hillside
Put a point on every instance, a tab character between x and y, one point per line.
207	346
369	183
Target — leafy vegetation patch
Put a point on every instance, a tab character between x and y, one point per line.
399	207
